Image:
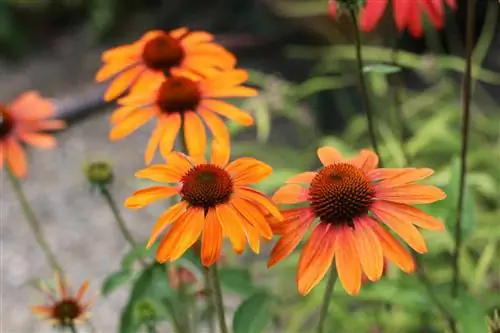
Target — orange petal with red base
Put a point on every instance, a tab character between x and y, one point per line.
347	261
291	194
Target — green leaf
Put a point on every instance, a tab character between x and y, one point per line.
381	69
116	280
137	253
238	280
253	314
467	311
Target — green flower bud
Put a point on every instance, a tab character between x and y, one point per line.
99	173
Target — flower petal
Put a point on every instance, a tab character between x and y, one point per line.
247	170
291	194
329	155
197	37
292	219
216	125
154	140
302	178
232	226
347	261
172	129
225	79
171	215
368	248
38	140
253	238
435	10
366	160
194	135
160	173
15	156
410	193
149	195
121	83
410	214
401	11
82	290
211	241
128	125
371	14
394	250
220	153
227	110
399	176
258	197
254	216
179	161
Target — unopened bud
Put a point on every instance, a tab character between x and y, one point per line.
99	174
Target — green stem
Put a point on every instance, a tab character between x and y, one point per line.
177	325
151	327
33	221
72	328
184	302
213	276
327	298
362	84
210	302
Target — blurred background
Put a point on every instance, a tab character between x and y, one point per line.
303	62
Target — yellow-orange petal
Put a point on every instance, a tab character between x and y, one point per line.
369	249
316	257
231	92
225	79
180	161
216	126
154	140
410	194
82	290
172	127
366	160
397	177
49	125
171	215
233	226
42	310
160	173
38	140
227	110
121	83
292	219
197	37
194	135
118	53
410	214
291	194
253	216
179	32
114	67
256	196
15	157
123	112
347	261
130	124
211	241
219	154
253	238
183	234
329	155
302	178
247	170
393	250
149	195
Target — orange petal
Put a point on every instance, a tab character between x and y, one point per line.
397	177
260	198
114	67
149	195
232	226
135	120
329	155
303	178
42	310
121	83
147	83
16	158
403	228
171	215
253	215
194	135
220	153
216	125
247	170
30	105
180	161
211	241
49	125
82	290
38	140
292	219
154	140
183	234
173	126
2	154
410	194
291	194
207	63
231	92
197	37
393	250
161	173
122	52
179	32
366	160
369	249
225	79
123	112
410	214
227	110
253	238
347	261
316	257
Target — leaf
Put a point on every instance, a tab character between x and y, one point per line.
381	69
262	119
116	280
253	314
238	280
137	253
469	314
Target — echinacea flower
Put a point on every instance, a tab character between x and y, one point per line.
64	310
407	13
216	201
186	99
157	53
24	120
354	201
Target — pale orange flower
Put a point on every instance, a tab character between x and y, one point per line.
24	120
183	98
157	53
353	199
64	309
215	202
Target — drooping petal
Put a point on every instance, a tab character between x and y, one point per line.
121	83
38	140
16	157
258	197
410	214
171	215
128	125
227	110
179	161
316	257
292	219
435	10
149	195
253	238
82	290
410	194
328	155
253	216
216	125
401	11
45	125
415	26
160	173
220	153
247	170
154	140
173	126
302	178
194	135
393	250
366	160
233	226
291	194
371	14
114	67
211	241
347	261
368	248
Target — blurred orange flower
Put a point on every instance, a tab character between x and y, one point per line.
178	275
215	201
183	97
352	198
64	310
24	120
157	53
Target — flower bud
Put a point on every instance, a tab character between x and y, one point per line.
99	174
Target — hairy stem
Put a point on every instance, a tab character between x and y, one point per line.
327	298
216	292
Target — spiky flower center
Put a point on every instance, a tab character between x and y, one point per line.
339	193
162	53
6	122
178	94
66	311
206	186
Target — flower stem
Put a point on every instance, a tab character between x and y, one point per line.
210	306
362	84
33	220
327	298
184	303
213	276
72	328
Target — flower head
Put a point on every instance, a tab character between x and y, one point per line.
23	121
215	202
64	309
157	53
353	199
183	98
99	173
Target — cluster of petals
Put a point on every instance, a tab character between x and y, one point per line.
24	121
374	198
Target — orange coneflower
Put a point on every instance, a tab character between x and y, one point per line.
352	199
64	310
24	120
183	97
157	53
215	201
